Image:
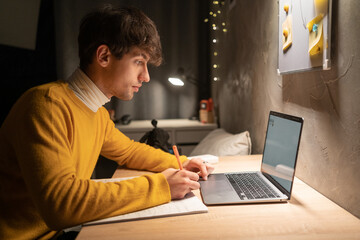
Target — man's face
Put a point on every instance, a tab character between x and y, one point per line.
126	75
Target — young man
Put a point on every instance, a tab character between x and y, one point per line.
51	139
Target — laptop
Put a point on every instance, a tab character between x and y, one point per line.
273	183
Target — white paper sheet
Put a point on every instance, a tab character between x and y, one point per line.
188	205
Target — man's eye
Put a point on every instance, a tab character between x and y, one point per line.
138	62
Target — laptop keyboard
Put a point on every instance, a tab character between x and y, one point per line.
250	186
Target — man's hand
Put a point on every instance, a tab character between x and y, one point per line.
181	182
199	166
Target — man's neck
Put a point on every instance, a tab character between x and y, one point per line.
86	90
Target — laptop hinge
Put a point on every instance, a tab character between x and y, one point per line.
276	184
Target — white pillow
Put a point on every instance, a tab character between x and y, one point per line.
221	143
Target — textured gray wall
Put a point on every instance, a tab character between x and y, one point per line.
329	101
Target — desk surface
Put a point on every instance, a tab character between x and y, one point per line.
308	215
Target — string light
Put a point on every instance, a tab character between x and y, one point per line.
218	26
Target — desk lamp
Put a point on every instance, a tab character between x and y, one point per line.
180	78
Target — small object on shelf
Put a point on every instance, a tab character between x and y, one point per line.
206	111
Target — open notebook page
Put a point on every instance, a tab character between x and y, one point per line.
190	204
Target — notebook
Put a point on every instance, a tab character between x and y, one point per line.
190	204
273	183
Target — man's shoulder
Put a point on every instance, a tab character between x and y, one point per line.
51	87
37	102
53	90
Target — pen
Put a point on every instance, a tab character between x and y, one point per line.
177	156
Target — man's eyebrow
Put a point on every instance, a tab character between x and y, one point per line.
146	57
142	54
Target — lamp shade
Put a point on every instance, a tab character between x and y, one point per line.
176	81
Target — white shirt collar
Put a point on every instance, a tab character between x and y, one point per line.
86	90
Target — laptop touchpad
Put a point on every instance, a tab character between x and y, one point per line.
217	187
216	183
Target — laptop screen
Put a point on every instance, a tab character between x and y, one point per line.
281	148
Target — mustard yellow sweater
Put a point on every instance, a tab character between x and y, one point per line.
49	145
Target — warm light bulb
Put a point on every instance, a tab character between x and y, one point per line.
215	66
215	53
206	20
223	24
214	40
215	2
224	30
215	79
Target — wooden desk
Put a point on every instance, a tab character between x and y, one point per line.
308	215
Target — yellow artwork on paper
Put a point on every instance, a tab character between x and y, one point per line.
321	6
315	28
287	33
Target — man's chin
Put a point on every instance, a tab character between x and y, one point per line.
126	98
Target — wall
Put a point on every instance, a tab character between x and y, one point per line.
329	101
23	68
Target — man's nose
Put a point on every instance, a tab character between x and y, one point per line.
144	75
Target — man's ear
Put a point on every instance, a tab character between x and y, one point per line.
103	55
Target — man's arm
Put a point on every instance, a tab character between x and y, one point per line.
135	155
142	156
52	177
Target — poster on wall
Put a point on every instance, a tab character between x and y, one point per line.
304	35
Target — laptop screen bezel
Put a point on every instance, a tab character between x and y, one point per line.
272	180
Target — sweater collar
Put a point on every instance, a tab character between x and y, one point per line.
86	90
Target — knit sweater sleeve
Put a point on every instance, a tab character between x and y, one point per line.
135	155
44	154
